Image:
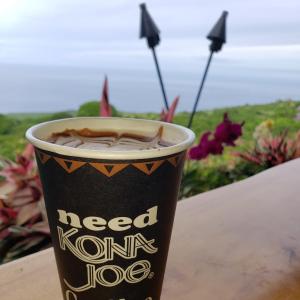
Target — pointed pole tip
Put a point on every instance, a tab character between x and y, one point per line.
225	13
143	5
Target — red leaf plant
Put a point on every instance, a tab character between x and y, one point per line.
23	223
226	133
168	115
105	108
270	152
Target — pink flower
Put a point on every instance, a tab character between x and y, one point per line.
206	146
228	132
167	116
105	108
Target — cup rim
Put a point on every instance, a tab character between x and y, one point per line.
111	155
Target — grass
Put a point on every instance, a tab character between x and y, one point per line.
281	112
13	126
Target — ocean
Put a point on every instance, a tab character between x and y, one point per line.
49	88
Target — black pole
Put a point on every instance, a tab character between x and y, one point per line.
160	78
200	90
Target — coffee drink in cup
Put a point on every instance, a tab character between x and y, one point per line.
107	141
110	187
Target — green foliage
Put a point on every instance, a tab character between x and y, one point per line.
13	142
91	109
61	115
11	145
281	112
6	124
200	176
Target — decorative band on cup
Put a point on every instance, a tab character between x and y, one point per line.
107	168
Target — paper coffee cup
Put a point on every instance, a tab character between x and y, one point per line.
110	213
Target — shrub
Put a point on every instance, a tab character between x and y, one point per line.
61	115
91	109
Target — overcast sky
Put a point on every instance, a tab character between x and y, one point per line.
263	36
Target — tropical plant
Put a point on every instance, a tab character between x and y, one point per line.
226	133
263	130
168	115
202	177
270	152
23	223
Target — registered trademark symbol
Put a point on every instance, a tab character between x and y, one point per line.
150	276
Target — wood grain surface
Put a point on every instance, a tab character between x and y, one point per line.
239	242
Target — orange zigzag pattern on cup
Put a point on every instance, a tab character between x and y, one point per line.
109	169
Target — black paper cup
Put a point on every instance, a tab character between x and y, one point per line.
110	213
